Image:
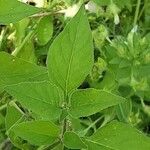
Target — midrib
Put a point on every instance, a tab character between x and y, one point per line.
70	61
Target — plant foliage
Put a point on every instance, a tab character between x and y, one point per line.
74	75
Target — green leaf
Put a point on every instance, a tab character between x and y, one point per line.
2	119
144	70
37	132
119	136
14	70
102	2
20	32
92	145
41	98
12	116
73	141
27	52
2	138
70	57
13	11
44	30
120	3
124	110
90	101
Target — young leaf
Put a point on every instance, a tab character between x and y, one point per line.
44	30
70	57
90	101
41	98
37	132
119	136
14	70
73	141
12	11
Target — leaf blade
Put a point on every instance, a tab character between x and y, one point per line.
73	141
13	11
37	132
66	69
116	136
14	70
42	98
89	101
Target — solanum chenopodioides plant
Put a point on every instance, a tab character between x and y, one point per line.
49	102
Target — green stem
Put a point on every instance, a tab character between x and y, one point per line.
2	35
29	35
136	12
65	121
3	107
12	103
91	126
19	48
142	10
122	113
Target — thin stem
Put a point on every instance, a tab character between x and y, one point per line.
12	103
142	102
136	12
122	113
142	10
48	14
55	12
2	35
3	107
18	49
91	126
65	121
29	35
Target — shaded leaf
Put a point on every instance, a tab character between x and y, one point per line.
44	30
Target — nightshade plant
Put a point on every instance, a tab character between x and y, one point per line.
47	105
